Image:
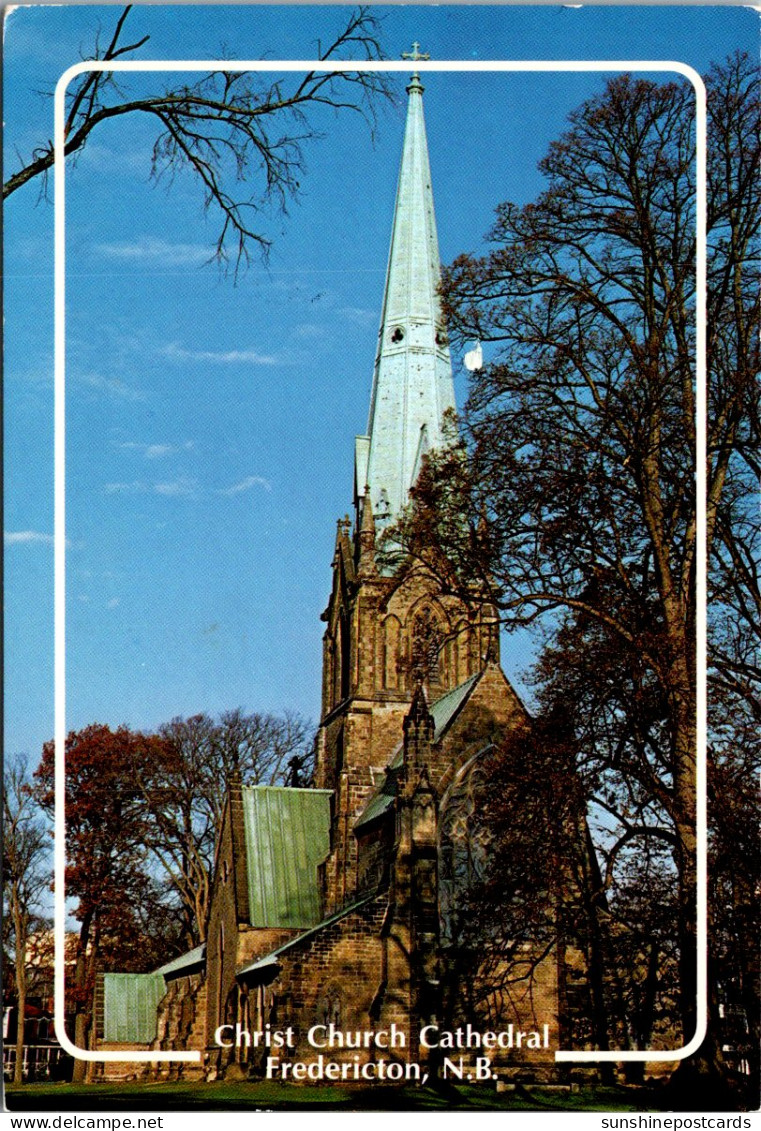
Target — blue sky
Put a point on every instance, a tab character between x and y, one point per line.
210	426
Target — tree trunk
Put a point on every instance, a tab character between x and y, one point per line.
685	814
700	1082
83	1013
19	928
81	1031
598	950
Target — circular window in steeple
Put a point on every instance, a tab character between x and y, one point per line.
397	334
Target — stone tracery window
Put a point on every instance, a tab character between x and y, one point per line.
464	846
426	640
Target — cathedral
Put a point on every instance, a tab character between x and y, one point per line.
333	906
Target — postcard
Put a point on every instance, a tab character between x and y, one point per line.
380	537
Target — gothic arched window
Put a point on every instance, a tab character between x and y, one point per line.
391	632
345	656
425	647
464	845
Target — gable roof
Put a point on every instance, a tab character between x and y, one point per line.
443	711
287	835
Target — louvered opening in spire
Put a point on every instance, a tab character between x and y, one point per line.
412	383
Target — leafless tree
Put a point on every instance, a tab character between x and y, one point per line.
184	790
573	492
241	136
27	878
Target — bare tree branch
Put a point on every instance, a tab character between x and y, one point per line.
241	136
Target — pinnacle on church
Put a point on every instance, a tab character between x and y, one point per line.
368	522
418	711
366	564
412	382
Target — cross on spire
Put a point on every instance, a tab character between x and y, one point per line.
415	54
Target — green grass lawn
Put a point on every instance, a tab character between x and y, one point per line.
268	1095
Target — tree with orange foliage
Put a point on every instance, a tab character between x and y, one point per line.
108	868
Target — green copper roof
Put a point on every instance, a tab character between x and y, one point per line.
445	709
130	1002
412	383
287	835
383	799
185	963
443	712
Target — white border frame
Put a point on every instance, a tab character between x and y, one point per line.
290	65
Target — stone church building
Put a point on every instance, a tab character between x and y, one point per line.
335	904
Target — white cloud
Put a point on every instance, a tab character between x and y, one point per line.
220	357
152	250
31	538
155	451
113	603
111	385
183	487
16	537
176	488
359	315
133	488
310	330
246	485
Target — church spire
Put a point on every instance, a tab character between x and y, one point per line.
412	383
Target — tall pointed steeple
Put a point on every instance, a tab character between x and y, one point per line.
412	383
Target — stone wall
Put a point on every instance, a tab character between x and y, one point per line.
222	931
334	975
